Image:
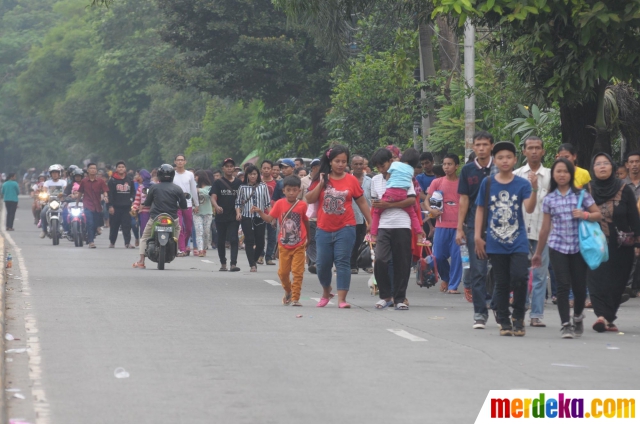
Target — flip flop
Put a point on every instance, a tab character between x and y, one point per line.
401	307
444	286
139	265
323	302
344	305
286	299
383	304
453	292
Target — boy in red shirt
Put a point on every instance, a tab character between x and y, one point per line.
294	227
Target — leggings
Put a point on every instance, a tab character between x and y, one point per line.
253	230
202	224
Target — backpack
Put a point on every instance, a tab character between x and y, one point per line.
427	269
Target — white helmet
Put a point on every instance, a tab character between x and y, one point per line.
56	167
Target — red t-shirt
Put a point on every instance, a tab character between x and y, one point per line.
92	191
449	189
293	228
336	211
271	185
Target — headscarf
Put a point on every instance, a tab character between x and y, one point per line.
604	190
394	151
146	178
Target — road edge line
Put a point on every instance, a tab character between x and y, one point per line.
4	413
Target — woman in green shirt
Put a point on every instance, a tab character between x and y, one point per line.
202	219
10	191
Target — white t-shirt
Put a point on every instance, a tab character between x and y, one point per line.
187	182
394	217
55	187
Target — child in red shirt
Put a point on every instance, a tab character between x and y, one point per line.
294	227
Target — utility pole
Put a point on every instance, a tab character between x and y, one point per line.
470	78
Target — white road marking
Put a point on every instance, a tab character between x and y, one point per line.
40	402
207	261
273	283
317	299
407	335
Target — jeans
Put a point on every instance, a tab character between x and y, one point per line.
271	242
393	244
539	289
253	230
571	273
511	273
335	248
65	219
361	231
135	228
119	218
93	221
477	278
230	229
445	247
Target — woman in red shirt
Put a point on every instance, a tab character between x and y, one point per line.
334	189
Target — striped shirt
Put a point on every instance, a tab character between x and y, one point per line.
249	196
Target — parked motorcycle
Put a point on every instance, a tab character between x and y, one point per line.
77	224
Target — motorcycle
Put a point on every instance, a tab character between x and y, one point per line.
162	245
54	217
77	224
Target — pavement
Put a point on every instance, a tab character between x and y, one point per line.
202	346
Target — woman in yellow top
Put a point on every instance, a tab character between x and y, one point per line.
582	176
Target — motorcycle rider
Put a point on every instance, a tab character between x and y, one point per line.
36	187
164	197
55	187
73	184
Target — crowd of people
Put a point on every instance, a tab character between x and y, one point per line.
520	225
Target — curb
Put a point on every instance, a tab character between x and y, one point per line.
3	279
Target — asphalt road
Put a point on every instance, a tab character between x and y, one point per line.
202	346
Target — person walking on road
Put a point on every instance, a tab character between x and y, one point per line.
294	228
121	195
91	189
186	181
335	189
202	219
252	193
10	192
357	167
621	224
223	198
268	179
312	215
533	150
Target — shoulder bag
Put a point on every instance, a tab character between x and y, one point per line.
593	242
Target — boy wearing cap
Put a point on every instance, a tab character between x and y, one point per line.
506	235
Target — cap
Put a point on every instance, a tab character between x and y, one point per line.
288	162
315	162
227	160
503	145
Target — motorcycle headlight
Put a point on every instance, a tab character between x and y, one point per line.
43	196
54	205
76	212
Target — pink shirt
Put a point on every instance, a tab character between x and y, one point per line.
449	189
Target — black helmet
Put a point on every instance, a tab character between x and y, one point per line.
166	173
77	172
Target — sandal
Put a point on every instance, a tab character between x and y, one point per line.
286	299
444	286
181	254
202	253
537	322
383	304
468	295
139	265
234	268
323	302
254	269
296	303
401	307
612	327
92	246
223	268
344	305
600	326
453	292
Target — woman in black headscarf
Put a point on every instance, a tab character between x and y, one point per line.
621	225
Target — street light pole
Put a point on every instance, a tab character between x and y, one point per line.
470	78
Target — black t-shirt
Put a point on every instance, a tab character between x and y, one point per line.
226	191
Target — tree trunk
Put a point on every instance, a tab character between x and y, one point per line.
449	45
427	70
577	129
603	138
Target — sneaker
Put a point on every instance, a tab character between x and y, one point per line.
313	269
260	260
518	328
578	325
43	234
369	270
479	324
566	332
506	331
354	270
271	262
554	300
495	316
625	297
112	246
